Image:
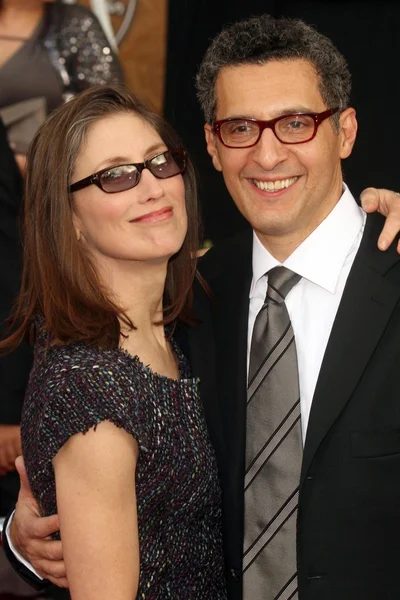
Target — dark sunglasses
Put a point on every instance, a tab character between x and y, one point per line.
124	177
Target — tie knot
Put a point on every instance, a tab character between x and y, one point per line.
280	282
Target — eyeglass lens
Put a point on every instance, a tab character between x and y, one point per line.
164	165
291	129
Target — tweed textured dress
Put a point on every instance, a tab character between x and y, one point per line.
73	388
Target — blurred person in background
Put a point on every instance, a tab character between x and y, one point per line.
49	51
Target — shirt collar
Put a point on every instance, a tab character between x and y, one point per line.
321	256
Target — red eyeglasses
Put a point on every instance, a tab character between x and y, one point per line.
289	129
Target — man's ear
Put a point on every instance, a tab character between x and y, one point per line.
348	131
212	149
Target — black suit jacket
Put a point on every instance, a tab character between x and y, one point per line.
348	533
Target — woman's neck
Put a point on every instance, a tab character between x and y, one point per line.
138	288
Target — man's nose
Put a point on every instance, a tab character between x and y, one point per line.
269	151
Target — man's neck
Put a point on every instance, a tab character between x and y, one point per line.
283	244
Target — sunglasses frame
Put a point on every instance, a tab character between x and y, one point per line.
95	178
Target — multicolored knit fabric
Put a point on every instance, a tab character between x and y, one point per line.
74	387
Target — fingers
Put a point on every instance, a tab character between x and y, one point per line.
389	232
44	554
62	583
54	571
47	552
370	200
43	527
46	559
387	203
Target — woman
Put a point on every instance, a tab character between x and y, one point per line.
113	431
49	51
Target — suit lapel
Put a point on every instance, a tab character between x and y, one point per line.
365	309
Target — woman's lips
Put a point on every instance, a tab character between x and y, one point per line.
155	216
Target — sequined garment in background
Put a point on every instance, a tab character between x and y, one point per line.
67	53
71	389
80	50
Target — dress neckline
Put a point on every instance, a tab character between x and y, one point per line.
183	365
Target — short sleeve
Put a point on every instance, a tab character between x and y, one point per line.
83	399
72	389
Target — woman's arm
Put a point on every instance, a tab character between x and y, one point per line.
96	500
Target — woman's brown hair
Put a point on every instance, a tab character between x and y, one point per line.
59	280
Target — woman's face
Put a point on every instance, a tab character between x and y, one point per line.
145	223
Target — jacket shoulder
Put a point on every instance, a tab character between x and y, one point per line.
226	254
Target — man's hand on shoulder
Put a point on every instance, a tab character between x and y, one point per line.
31	534
387	203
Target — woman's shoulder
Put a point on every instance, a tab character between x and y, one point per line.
60	365
76	360
83	381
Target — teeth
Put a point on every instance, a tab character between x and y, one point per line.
273	186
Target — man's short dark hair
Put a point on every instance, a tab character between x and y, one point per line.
260	39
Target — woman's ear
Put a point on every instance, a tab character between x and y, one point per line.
77	227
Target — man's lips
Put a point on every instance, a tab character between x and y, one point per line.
155	216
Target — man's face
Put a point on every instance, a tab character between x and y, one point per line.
285	216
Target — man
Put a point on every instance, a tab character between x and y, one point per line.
276	99
275	95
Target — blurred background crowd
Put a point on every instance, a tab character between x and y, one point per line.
50	50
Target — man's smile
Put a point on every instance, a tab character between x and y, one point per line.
274	186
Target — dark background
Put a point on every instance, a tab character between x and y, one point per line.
367	33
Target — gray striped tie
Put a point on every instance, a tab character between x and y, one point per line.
273	449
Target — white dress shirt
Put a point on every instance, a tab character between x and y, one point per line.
324	261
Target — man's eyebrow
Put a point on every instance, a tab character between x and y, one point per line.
295	110
278	113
